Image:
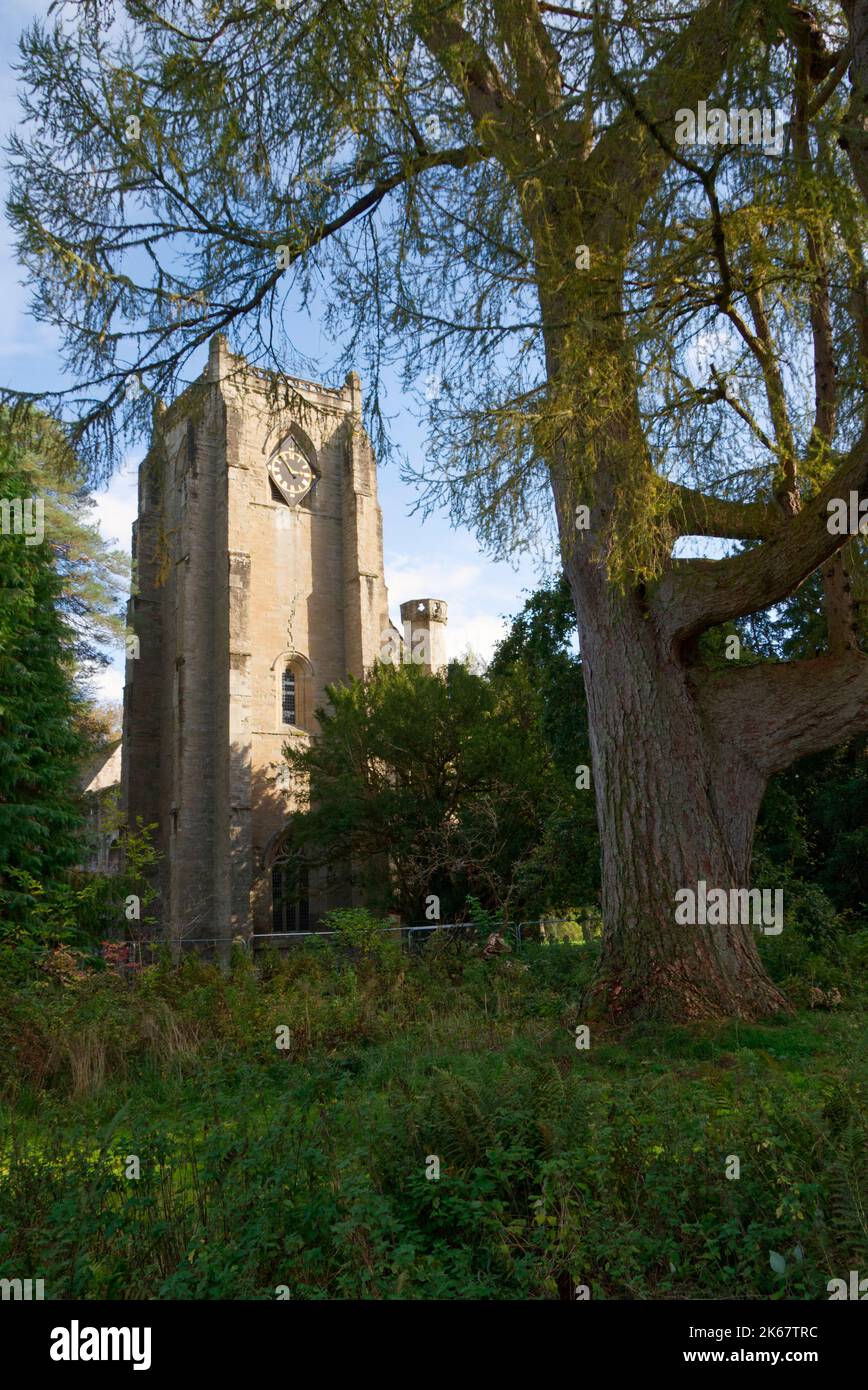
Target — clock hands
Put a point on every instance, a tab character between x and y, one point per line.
293	477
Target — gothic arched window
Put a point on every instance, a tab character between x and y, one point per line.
290	906
288	696
293	690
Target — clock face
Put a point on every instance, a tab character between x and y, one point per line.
291	474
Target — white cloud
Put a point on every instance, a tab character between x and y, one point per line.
414	578
116	509
117	506
474	594
479	631
108	685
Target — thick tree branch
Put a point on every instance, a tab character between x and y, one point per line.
697	594
837	596
807	35
822	96
534	56
696	514
841	617
854	137
825	383
489	99
642	137
778	712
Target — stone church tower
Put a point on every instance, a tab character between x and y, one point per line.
258	580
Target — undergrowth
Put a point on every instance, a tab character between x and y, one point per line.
304	1170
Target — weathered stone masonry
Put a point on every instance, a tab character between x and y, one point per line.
235	585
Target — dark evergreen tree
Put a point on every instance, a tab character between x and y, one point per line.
428	785
39	748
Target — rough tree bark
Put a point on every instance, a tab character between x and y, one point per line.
681	757
855	138
676	804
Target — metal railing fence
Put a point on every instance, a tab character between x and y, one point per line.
139	950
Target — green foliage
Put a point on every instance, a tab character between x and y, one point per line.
39	747
468	779
52	919
94	577
307	1169
359	930
814	819
818	949
540	652
578	924
814	822
80	909
449	773
483	920
797	628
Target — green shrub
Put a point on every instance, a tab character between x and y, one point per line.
309	1166
360	931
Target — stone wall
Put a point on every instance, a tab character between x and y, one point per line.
233	584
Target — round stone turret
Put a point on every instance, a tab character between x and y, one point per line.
424	624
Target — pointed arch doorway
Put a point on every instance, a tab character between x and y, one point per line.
290	884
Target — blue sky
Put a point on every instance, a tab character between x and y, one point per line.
423	558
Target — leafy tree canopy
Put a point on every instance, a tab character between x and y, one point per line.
429	785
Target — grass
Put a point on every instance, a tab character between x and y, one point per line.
304	1170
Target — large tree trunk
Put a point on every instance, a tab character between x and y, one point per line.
681	755
675	805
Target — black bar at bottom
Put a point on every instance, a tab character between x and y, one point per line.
60	1339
